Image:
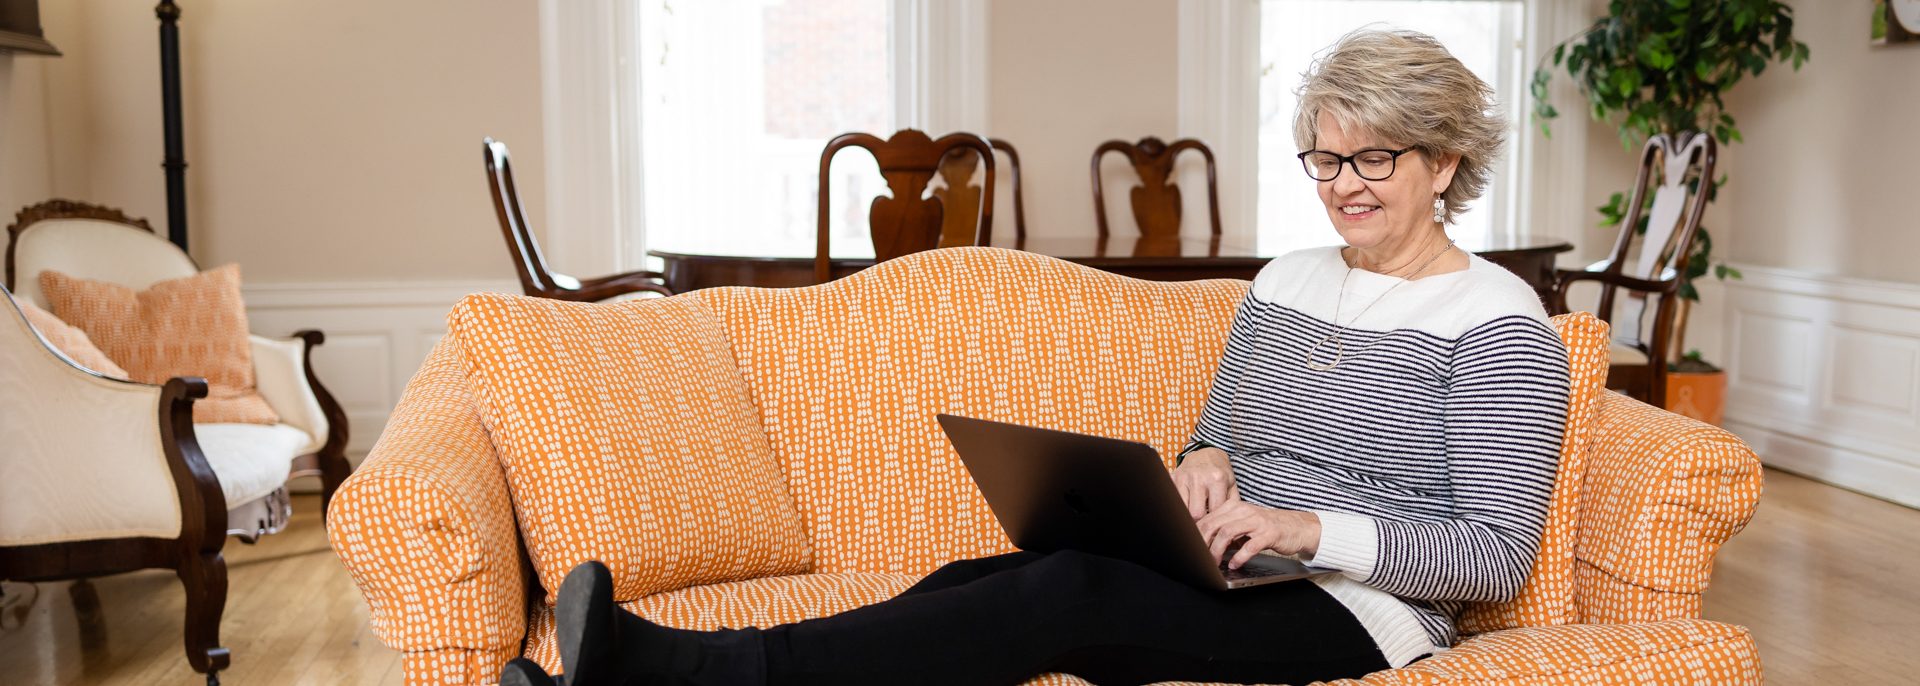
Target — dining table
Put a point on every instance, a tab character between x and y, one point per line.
1530	257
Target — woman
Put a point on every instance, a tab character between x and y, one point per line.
1391	409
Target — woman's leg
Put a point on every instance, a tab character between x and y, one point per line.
1105	619
962	572
1111	621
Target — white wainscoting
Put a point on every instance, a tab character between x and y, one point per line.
377	336
1823	378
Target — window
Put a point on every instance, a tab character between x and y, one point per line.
1486	35
738	97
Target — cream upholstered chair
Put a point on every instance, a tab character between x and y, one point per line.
103	476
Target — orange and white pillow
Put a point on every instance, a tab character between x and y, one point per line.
70	341
630	437
192	326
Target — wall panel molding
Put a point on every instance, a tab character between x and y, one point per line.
378	333
1823	377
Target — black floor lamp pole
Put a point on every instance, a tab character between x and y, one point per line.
176	160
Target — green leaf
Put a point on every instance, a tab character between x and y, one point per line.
1732	273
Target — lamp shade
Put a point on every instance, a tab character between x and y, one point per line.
20	28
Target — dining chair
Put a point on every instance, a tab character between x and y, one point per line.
1641	285
905	222
956	171
1156	199
535	278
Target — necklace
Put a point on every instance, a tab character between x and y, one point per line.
1339	344
1235	431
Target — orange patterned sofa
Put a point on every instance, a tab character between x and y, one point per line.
844	380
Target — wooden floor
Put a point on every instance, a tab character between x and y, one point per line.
293	617
1827	579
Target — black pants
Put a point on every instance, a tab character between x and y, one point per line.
1002	620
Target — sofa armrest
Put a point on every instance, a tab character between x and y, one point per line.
1661	493
280	374
426	529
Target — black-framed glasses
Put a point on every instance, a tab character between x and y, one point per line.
1372	164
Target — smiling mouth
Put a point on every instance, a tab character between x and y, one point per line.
1351	210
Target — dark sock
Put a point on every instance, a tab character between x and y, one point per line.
604	645
523	672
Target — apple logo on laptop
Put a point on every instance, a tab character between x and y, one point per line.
1077	503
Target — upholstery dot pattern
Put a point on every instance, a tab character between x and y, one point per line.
70	341
428	530
1662	493
629	437
1684	651
192	326
1548	599
849	376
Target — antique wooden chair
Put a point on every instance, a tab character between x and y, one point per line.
535	278
1676	169
957	170
110	476
905	222
1156	199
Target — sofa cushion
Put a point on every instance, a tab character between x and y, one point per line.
628	437
251	459
192	326
70	341
849	376
1548	597
1681	651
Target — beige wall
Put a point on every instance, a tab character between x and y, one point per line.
1828	178
1067	75
326	141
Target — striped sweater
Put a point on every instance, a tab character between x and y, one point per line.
1428	453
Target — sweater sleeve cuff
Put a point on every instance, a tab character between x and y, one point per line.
1349	543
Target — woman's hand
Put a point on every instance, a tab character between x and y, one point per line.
1205	481
1287	532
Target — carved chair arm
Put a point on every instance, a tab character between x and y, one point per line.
601	288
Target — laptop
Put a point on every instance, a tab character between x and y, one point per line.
1058	490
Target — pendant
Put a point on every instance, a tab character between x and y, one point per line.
1339	351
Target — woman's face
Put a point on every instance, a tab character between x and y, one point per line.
1379	214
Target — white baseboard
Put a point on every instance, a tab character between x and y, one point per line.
378	333
1823	377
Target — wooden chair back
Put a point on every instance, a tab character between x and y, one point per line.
1639	289
536	279
906	222
960	199
1156	199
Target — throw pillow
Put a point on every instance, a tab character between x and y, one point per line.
192	326
630	437
1548	598
69	341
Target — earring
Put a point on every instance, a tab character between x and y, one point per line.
1439	210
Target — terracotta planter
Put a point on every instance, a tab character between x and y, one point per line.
1700	395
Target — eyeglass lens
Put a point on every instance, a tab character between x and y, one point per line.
1372	165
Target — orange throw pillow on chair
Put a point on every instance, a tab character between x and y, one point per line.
192	326
69	341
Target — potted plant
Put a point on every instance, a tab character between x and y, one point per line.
1653	66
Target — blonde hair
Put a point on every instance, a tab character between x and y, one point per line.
1404	86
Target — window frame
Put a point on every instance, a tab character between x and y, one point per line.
595	180
1219	99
